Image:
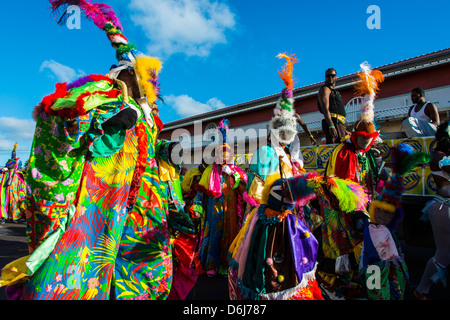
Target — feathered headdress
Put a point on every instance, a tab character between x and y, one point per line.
284	120
346	195
14	158
404	160
368	87
223	126
224	151
285	104
104	17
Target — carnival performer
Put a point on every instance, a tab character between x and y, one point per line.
352	159
13	190
437	211
282	151
220	205
189	186
274	255
381	246
95	213
181	228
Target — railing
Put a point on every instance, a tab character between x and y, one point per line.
353	107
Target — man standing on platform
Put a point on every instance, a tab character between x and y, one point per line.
330	105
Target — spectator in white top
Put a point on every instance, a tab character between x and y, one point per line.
423	116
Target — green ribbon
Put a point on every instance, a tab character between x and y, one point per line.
237	180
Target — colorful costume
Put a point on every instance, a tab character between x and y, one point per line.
381	247
189	186
181	228
282	153
12	189
274	255
342	232
95	211
220	204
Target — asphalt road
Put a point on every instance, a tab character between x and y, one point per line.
13	245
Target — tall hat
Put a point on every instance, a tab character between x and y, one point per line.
224	150
368	87
284	123
14	159
223	127
128	57
404	160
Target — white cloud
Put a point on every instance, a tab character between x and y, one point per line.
14	130
22	129
216	103
191	27
61	72
186	106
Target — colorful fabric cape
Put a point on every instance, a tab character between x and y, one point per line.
12	195
220	204
274	256
181	228
382	250
12	189
95	212
265	161
342	232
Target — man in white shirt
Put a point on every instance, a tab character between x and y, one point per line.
423	116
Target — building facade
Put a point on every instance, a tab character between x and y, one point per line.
249	121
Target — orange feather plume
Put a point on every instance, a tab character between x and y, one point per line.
286	73
370	80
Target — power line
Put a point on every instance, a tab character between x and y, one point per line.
21	152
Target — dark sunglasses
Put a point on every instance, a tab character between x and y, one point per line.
331	75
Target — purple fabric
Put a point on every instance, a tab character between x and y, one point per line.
303	246
287	93
184	279
78	83
240	209
14	292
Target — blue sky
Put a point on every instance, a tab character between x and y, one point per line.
215	53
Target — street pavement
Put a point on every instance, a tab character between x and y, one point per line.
13	245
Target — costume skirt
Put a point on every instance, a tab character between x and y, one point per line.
273	259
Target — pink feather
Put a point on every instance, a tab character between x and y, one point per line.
99	13
251	201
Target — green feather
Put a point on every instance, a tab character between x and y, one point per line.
413	160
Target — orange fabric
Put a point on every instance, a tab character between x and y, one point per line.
273	213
